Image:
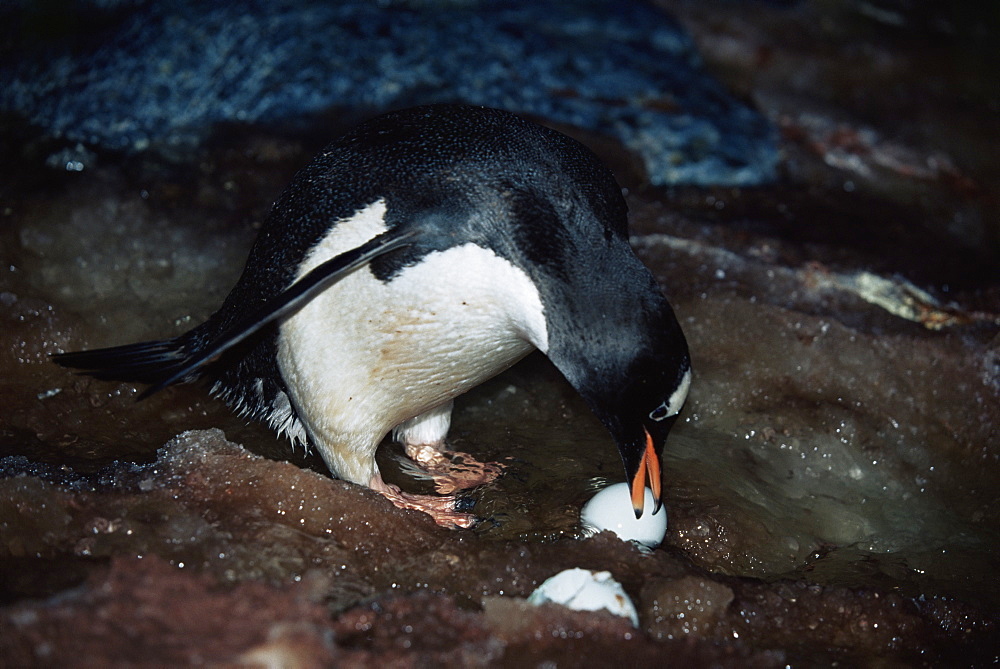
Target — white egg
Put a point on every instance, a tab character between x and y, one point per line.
585	590
611	509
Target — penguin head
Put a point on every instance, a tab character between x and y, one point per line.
641	415
635	378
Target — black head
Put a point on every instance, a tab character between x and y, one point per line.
635	377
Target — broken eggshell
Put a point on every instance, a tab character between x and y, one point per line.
585	590
611	509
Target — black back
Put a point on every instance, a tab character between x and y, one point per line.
461	174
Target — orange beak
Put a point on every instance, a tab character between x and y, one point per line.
649	468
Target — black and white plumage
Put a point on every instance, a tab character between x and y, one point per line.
422	253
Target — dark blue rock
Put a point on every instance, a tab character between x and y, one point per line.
171	69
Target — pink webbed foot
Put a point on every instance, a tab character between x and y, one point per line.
451	471
441	509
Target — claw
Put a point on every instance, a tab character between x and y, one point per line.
444	510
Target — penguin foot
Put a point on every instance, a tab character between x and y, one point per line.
451	471
442	509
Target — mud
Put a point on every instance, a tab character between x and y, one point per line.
831	484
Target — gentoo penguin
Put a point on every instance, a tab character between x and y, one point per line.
415	257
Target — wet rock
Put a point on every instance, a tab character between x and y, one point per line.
686	606
534	633
400	629
847	434
629	72
864	109
177	268
236	528
181	618
850	624
832	482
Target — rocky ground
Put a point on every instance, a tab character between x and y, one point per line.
831	486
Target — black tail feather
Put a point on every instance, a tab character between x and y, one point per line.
146	362
169	361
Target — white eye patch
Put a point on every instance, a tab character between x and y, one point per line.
672	406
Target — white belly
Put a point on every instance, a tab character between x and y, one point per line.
364	356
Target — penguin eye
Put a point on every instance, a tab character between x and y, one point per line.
672	405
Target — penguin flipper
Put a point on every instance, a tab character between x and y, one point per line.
292	298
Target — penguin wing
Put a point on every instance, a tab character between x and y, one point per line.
163	363
289	300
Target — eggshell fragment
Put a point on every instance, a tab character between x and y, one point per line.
585	590
611	509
